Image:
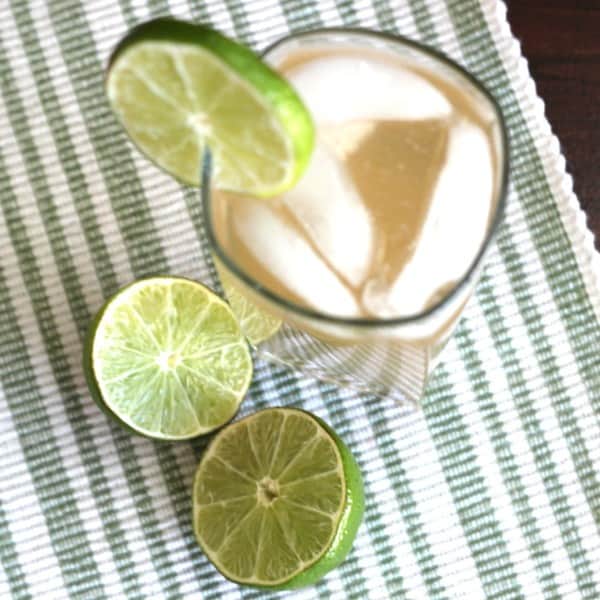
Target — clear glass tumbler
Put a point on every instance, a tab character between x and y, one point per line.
384	356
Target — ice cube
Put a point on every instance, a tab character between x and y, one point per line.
343	88
346	138
328	207
289	258
454	229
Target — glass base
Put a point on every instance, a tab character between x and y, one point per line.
380	367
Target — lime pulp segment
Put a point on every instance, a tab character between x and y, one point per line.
168	359
257	325
274	503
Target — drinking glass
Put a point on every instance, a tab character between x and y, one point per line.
384	356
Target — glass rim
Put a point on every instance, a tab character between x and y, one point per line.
368	322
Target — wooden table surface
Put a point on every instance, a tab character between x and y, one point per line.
561	41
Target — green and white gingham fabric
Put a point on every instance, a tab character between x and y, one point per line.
492	491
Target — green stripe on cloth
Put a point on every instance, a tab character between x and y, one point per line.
199	12
423	21
240	21
301	14
348	13
385	15
506	459
456	452
340	420
9	559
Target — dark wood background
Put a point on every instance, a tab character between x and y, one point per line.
561	40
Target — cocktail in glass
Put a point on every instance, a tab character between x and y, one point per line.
360	273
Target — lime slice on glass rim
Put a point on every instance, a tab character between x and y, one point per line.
277	500
179	88
166	358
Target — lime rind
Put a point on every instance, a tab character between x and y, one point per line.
349	522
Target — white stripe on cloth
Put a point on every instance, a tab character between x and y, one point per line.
267	22
527	471
365	14
277	26
378	481
24	516
4	587
403	18
220	17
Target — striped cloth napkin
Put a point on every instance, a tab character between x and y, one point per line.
491	491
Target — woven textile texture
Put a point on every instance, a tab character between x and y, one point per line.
491	491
